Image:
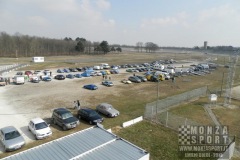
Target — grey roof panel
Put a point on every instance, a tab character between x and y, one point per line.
118	149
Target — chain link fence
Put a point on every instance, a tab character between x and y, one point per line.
173	121
159	106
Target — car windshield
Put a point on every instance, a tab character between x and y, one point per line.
12	135
109	108
92	114
66	115
41	125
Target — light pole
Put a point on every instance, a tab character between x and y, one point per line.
157	98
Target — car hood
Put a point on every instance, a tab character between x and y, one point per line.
70	120
44	130
113	111
14	142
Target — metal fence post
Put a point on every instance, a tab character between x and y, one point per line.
167	119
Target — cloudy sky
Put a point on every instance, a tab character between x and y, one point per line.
182	23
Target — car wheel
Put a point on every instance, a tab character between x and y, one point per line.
36	137
28	128
90	122
64	128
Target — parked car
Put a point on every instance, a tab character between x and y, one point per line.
107	83
73	70
60	71
66	70
35	79
11	139
90	86
134	79
107	109
126	81
60	77
70	76
38	72
39	128
143	79
79	69
78	75
64	118
98	73
46	79
19	73
28	73
89	115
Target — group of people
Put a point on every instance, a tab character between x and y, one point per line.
7	80
105	77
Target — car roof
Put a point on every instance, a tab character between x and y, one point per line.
88	110
61	110
105	104
8	129
37	120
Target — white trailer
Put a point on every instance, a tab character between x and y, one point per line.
19	79
38	59
158	67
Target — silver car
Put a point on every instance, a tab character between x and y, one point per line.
107	109
11	138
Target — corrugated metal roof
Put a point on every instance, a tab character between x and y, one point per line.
117	149
90	144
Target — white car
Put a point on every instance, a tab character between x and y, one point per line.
39	128
126	81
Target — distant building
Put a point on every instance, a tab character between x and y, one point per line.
205	44
38	59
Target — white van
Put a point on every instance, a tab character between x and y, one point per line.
104	66
96	67
19	79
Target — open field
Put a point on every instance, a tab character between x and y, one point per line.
31	100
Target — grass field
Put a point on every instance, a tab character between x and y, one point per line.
161	142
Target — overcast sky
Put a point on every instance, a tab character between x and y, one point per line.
181	23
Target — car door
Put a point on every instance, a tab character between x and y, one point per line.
1	136
32	127
100	109
84	115
104	110
57	118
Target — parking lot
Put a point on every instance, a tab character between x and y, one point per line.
20	103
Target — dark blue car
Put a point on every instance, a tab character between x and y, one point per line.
90	86
70	76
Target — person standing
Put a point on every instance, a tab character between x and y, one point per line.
9	80
78	104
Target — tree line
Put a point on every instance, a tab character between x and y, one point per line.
19	45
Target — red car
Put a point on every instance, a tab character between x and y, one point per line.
28	73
